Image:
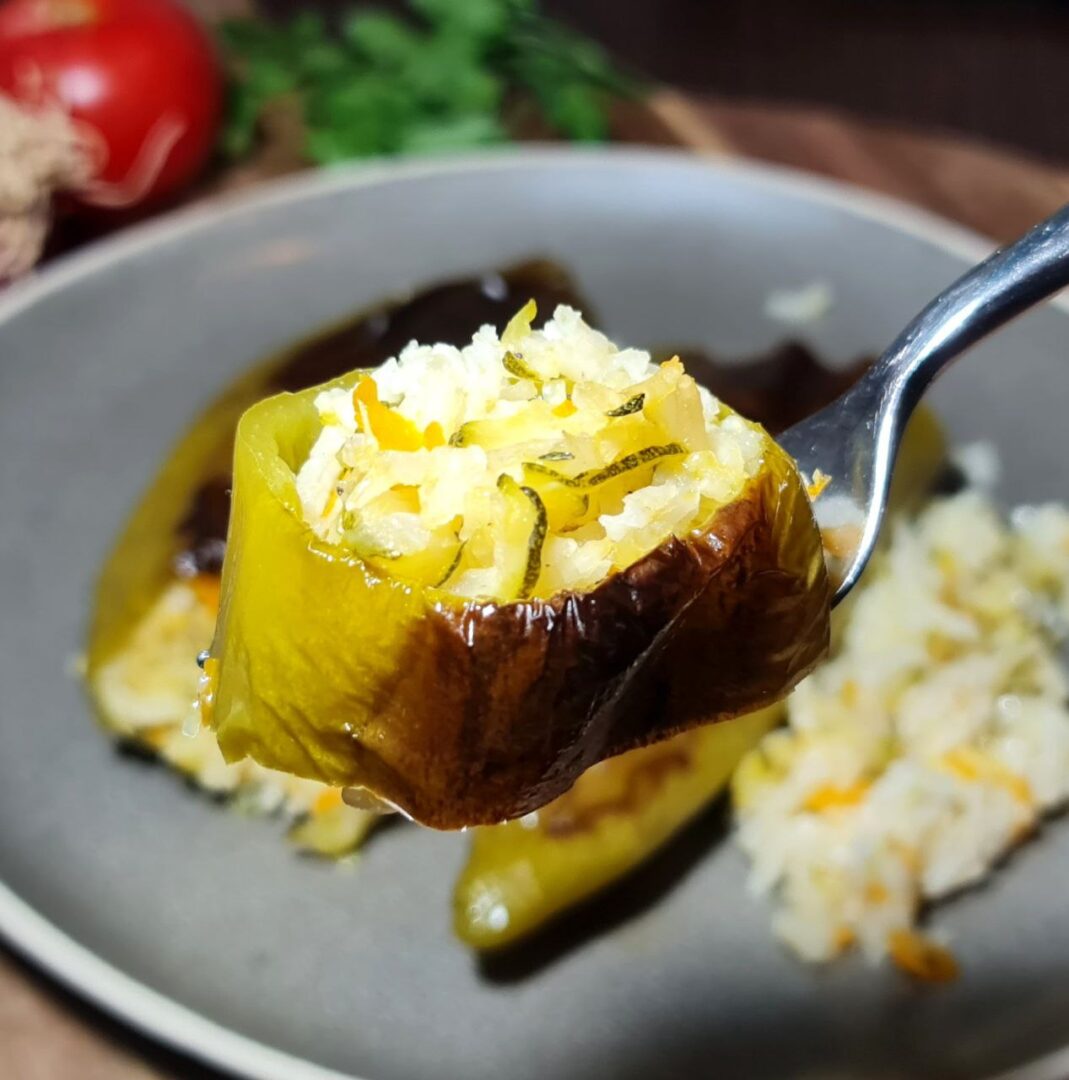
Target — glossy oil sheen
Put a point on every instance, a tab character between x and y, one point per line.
355	969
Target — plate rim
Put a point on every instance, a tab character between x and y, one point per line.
106	986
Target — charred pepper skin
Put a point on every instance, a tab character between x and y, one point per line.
468	713
523	874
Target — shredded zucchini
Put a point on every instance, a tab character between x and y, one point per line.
514	365
593	477
526	525
632	405
522	465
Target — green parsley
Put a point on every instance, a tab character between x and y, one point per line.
443	78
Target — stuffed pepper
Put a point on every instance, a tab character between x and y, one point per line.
157	598
459	580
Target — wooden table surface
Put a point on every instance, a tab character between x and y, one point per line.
47	1034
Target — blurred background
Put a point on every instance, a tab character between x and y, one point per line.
953	104
995	69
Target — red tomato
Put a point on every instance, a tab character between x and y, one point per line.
140	76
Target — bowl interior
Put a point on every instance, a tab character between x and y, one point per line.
105	361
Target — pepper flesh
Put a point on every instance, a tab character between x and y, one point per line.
179	527
524	873
463	712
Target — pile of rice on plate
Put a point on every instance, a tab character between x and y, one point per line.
148	694
928	746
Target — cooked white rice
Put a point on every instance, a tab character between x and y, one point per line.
412	461
931	744
799	306
147	693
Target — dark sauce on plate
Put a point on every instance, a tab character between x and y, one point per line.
777	388
449	313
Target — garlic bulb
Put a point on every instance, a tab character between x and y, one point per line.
42	151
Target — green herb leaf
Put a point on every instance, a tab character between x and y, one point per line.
455	133
245	36
323	60
242	114
445	76
387	85
307	29
475	19
381	38
270	77
361	116
577	111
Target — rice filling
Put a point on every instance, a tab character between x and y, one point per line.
524	464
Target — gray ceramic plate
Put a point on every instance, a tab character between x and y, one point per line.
199	926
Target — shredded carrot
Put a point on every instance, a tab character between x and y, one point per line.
818	485
971	765
922	958
849	693
911	859
206	588
942	648
156	736
830	796
844	938
565	408
366	392
1016	785
392	431
433	435
946	563
327	800
209	678
962	763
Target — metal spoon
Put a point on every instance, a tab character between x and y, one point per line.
855	439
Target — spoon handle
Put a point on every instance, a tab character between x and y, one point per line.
855	439
1004	285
